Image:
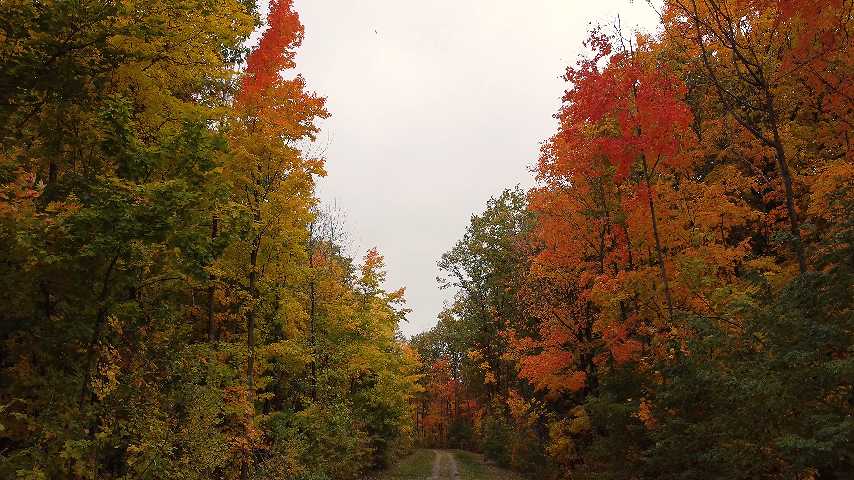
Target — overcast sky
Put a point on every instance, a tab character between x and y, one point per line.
436	106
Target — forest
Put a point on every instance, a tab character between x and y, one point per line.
673	299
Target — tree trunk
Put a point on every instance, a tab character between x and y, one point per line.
212	330
313	339
100	319
794	222
661	267
250	340
52	173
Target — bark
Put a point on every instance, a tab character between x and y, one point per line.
312	317
212	327
52	173
794	221
662	268
250	318
313	339
250	331
100	319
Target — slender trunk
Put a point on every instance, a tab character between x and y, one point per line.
52	172
250	336
606	225
212	330
91	356
661	267
456	407
628	247
100	319
588	364
602	250
250	361
250	320
313	339
631	265
794	222
48	303
312	318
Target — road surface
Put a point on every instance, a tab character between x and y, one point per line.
446	465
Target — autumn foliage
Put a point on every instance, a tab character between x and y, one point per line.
671	300
176	303
677	300
275	51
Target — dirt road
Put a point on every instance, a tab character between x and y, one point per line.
446	465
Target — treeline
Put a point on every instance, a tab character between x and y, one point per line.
674	297
174	304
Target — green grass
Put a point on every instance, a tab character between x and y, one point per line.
417	466
473	467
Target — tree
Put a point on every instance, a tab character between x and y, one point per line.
772	64
154	227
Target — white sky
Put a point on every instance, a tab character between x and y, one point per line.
436	106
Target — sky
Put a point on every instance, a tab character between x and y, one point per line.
437	105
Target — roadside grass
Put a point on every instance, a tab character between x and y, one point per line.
472	466
416	466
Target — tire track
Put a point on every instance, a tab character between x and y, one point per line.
444	466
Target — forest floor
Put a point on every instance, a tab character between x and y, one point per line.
446	465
